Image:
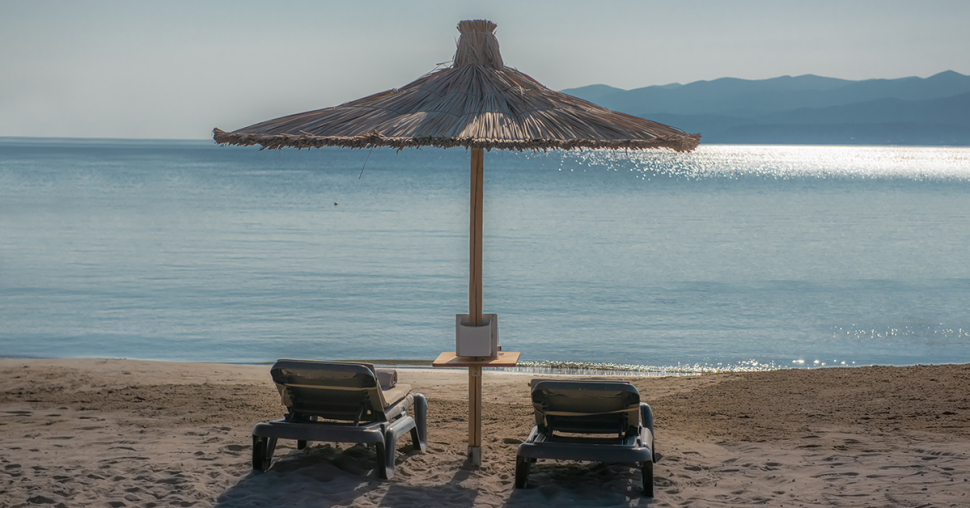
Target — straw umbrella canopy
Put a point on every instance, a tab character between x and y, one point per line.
477	103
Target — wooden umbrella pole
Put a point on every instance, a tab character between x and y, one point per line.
475	240
475	415
475	303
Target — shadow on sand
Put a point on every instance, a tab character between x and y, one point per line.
326	475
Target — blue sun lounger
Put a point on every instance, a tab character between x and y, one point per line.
590	420
342	402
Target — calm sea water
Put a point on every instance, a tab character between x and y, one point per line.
729	257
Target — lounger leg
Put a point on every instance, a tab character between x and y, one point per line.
259	452
647	473
262	454
419	434
522	466
390	452
270	449
381	460
385	455
646	416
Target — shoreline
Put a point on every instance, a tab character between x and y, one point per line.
90	432
538	368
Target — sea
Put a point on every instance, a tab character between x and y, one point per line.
728	258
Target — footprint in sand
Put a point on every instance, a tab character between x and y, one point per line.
836	476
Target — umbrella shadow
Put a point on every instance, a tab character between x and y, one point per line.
453	492
580	484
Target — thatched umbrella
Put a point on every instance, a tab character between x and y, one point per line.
477	103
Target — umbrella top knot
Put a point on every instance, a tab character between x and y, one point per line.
478	45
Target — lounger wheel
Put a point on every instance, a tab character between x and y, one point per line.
262	455
522	466
300	444
647	472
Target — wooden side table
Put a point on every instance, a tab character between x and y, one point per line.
475	364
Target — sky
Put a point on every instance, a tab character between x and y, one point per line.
176	69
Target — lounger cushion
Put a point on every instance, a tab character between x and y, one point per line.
396	394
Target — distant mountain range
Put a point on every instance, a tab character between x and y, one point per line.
804	109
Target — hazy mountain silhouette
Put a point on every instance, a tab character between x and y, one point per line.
805	109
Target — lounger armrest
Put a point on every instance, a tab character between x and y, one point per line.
397	400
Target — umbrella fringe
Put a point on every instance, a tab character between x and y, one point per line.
681	144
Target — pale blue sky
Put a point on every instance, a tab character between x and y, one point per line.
176	69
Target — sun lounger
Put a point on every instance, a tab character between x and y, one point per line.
591	420
342	402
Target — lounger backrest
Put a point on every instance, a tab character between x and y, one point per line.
586	406
333	390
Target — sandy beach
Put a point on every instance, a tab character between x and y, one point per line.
124	433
